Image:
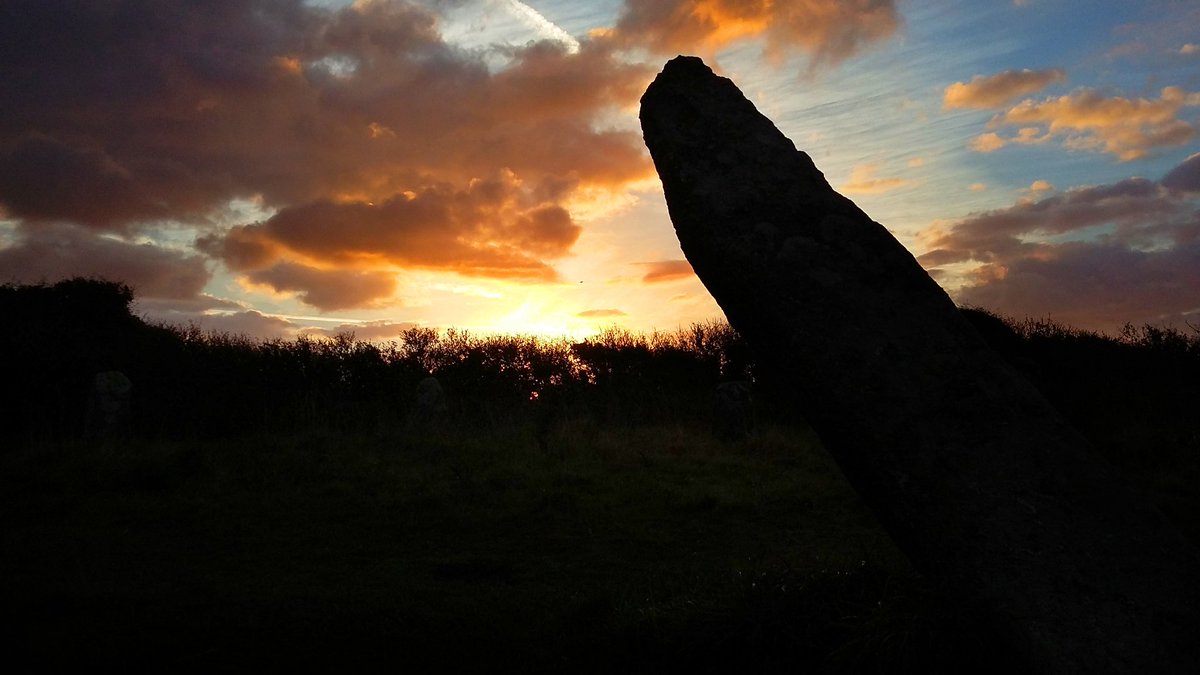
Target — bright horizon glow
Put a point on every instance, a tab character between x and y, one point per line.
478	164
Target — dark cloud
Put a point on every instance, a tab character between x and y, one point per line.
1132	207
43	179
131	112
1185	177
58	252
665	270
1097	286
174	310
1094	257
188	107
327	289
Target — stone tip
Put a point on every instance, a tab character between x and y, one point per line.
684	67
683	61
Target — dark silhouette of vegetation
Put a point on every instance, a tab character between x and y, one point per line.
1133	394
192	384
574	512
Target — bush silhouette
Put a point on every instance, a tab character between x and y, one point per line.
1132	394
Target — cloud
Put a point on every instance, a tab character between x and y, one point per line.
327	289
1185	177
1040	186
370	331
665	270
1095	257
988	142
1189	49
1090	121
180	310
249	323
315	115
544	26
828	31
43	179
53	253
1097	286
994	91
863	181
498	228
600	313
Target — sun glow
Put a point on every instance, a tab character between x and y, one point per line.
542	315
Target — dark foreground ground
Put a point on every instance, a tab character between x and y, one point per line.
575	514
644	549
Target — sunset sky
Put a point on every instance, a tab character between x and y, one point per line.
276	167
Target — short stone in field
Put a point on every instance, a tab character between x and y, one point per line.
109	408
994	498
733	410
430	404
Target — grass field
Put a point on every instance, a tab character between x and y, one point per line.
637	548
266	508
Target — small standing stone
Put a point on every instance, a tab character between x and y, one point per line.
733	411
431	402
109	403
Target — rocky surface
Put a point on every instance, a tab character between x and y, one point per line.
992	495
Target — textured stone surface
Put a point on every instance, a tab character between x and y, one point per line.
993	497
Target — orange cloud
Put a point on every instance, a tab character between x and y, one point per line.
994	91
666	270
492	228
863	181
1089	120
988	142
826	30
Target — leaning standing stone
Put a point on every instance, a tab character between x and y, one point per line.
976	477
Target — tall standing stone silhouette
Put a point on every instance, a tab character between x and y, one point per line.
978	480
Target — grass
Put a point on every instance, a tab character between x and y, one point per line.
574	517
635	548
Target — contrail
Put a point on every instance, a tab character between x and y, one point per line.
534	19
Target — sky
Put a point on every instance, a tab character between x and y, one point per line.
287	167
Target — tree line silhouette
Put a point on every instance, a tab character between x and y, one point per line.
1133	393
194	384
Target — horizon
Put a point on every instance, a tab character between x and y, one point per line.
280	167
